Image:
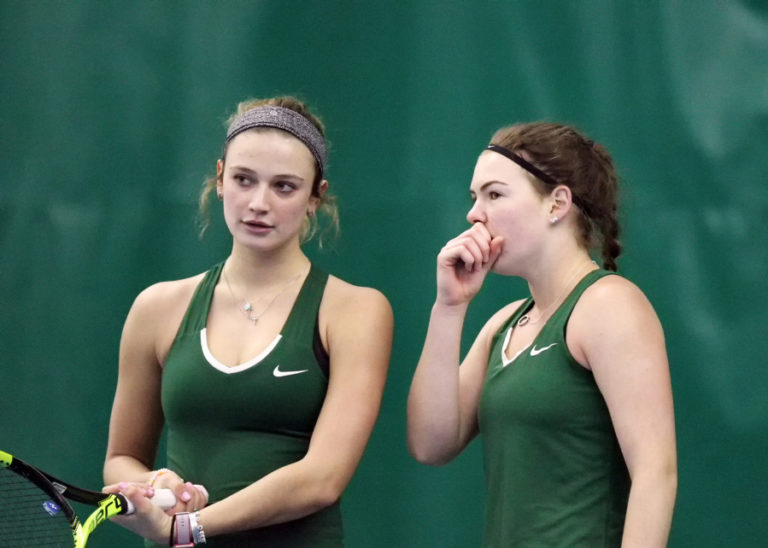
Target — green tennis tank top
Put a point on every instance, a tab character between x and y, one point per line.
554	471
230	426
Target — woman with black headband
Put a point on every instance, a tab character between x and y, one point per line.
267	371
569	389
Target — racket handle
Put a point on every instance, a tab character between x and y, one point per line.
164	498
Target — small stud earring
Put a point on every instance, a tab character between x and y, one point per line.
554	219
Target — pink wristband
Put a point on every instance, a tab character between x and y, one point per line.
183	531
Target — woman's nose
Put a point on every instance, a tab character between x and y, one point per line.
259	199
476	214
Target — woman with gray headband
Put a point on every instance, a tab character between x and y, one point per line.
267	371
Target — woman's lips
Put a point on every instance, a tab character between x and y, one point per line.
258	227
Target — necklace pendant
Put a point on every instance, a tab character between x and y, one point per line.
524	319
248	308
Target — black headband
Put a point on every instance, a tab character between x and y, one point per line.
533	170
523	163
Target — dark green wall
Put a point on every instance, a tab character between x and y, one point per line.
111	114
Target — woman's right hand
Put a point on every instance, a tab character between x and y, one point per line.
464	262
189	497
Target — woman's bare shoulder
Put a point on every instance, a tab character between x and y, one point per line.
613	292
614	311
349	297
156	314
167	295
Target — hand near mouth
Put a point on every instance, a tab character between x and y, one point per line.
464	262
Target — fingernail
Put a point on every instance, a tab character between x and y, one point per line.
123	485
185	496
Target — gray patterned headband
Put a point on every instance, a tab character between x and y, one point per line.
287	120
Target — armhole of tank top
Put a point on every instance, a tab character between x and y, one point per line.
313	290
589	281
321	356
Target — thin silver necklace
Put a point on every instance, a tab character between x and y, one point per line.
526	319
247	308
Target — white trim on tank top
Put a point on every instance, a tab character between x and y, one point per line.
211	359
504	360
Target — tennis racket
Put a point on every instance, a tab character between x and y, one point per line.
34	510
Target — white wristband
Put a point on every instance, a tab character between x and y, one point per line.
198	534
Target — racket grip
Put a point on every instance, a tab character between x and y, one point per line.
164	498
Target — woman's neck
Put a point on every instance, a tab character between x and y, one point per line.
256	270
552	285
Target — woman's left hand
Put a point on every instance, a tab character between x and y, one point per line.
148	520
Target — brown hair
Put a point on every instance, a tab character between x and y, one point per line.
327	202
584	166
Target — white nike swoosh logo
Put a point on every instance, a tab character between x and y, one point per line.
536	352
278	373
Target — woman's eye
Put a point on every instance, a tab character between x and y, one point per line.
242	180
493	195
285	187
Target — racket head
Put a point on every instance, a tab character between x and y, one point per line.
35	512
32	511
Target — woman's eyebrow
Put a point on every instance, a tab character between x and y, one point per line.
487	184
